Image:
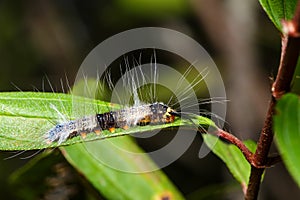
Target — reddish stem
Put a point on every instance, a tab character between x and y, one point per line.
234	140
246	152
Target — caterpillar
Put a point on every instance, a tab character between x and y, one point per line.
140	83
155	113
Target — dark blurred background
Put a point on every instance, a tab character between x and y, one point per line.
49	39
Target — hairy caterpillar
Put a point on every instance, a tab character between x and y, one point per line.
155	113
134	79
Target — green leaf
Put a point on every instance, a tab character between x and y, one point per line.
278	10
232	157
26	117
287	133
115	184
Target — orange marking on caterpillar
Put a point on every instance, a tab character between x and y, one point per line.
83	134
112	129
97	131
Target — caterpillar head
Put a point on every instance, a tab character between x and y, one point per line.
163	113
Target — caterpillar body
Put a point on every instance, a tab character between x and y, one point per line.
155	113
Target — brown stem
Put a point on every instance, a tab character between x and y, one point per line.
288	62
266	137
260	156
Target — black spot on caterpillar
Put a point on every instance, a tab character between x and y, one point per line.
155	113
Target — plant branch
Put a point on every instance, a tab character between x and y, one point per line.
288	62
234	140
246	152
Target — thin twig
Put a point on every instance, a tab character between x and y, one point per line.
270	161
234	140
